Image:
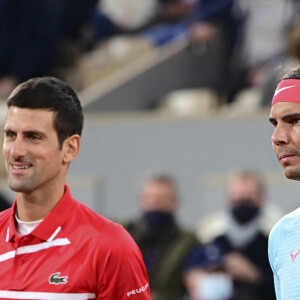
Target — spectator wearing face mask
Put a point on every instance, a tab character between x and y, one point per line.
163	243
242	232
205	274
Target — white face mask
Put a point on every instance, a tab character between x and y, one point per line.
216	286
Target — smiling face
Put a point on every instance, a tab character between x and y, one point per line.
285	116
31	150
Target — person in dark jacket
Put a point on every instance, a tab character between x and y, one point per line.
242	235
163	243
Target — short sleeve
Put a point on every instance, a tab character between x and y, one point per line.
122	274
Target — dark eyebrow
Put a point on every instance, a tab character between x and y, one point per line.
29	132
286	117
7	130
291	116
33	132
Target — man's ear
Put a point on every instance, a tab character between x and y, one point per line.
71	148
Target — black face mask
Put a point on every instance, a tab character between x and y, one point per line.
244	213
157	219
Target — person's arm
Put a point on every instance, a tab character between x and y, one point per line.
272	251
122	275
241	268
277	287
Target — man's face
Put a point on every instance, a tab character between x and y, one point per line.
285	116
158	196
31	150
243	191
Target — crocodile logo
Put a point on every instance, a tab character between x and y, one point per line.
57	279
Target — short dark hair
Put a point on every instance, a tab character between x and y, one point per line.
163	178
293	74
51	94
247	173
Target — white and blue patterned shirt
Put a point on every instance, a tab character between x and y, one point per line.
284	256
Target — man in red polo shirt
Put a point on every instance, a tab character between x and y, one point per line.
52	246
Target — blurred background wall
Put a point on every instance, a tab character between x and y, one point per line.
181	86
118	150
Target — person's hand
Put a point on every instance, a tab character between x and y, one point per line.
203	32
191	279
241	268
256	76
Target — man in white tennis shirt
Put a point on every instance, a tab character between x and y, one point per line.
284	240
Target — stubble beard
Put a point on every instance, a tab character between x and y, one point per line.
21	185
292	173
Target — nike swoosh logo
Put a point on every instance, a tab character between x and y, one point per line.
280	90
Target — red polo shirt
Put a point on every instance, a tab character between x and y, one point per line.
73	254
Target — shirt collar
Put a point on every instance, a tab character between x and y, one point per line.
52	222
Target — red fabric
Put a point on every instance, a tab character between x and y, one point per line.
97	257
288	90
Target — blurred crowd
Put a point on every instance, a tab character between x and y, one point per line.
225	258
250	39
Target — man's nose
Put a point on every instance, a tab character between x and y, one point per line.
280	136
17	148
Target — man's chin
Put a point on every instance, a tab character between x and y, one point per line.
292	173
19	187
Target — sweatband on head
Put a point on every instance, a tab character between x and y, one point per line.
288	90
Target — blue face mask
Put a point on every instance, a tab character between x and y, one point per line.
215	286
156	219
